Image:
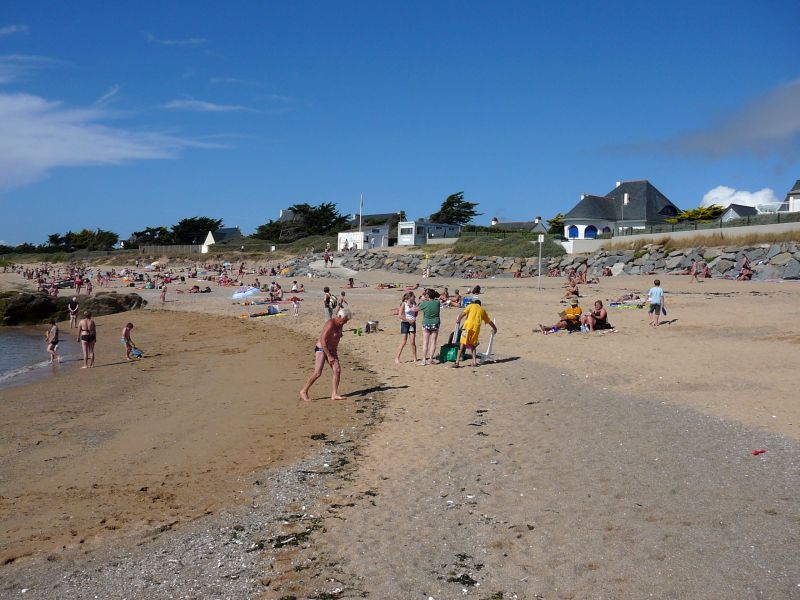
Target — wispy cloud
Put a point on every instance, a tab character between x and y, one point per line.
234	81
202	106
769	125
17	67
12	29
724	196
112	91
184	42
37	136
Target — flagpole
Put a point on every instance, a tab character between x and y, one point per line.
360	210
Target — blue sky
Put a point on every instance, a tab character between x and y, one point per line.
123	117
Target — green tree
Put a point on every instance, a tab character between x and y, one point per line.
307	220
55	241
151	235
455	210
556	225
103	240
194	229
701	213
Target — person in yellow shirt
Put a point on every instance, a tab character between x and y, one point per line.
570	319
474	316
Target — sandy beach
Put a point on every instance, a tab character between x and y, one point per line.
575	466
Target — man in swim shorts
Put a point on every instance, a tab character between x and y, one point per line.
326	350
473	316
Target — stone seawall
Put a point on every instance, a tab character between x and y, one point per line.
768	261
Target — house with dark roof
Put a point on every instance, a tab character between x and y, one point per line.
224	234
792	201
738	211
631	205
535	226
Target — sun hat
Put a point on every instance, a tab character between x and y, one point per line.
574	301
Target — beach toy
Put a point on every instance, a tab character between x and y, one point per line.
757	452
466	301
372	326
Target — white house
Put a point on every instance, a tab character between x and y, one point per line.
417	233
220	235
629	206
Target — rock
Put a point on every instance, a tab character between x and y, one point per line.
792	270
781	259
774	250
617	269
723	265
29	308
674	261
711	254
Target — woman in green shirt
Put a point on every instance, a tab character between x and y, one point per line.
429	307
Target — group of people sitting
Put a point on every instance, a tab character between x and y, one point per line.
574	319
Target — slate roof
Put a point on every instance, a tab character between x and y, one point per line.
375	219
794	190
645	203
593	207
226	233
742	210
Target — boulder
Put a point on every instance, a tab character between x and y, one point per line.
781	259
723	265
617	269
792	269
26	308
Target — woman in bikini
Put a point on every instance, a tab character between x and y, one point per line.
87	336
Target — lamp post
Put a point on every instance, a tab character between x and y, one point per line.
541	241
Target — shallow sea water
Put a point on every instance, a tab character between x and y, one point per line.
23	354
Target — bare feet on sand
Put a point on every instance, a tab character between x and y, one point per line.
304	396
337	397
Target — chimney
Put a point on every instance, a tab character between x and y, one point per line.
537	220
583	196
619	183
494	221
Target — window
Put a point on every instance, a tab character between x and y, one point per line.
419	230
590	233
406	231
376	231
572	232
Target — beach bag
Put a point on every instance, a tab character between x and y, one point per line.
448	353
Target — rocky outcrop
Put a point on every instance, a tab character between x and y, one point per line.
768	261
26	308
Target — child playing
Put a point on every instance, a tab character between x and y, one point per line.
656	299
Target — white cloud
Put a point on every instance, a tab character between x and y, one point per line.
723	196
15	67
112	91
202	106
184	42
12	29
37	136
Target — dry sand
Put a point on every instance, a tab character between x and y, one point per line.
577	466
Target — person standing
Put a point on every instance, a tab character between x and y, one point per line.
52	342
88	287
473	316
693	271
87	336
326	350
163	293
408	325
127	341
328	303
429	307
656	299
72	309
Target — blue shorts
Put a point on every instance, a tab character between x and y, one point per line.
406	327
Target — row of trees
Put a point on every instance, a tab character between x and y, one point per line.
306	220
186	231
